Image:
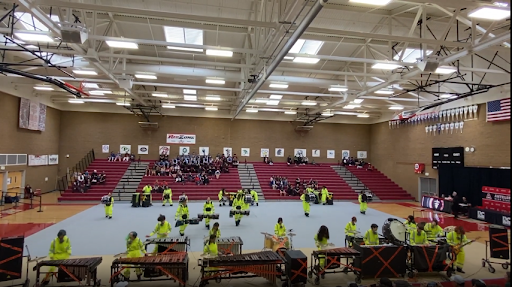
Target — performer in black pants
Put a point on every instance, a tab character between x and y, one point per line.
456	205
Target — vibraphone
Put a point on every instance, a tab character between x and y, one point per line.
241	212
172	267
378	261
72	270
259	264
210	216
332	258
169	245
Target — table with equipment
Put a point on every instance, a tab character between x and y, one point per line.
72	270
258	264
169	244
333	262
170	267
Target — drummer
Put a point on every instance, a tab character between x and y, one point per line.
371	237
418	236
280	231
433	230
350	231
409	223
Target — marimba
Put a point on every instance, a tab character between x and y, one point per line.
169	244
172	266
240	212
230	245
259	264
333	262
73	270
210	216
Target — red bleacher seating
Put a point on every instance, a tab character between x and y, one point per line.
230	181
383	187
323	174
114	170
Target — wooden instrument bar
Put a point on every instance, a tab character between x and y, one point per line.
342	251
173	244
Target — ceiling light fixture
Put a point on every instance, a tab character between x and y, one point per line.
385	66
213	98
122	45
384	92
275	97
305	60
211	108
308	103
189	98
349	107
97	93
33	37
273	103
43	88
85	72
338	89
278	86
396	108
445	96
168	106
358	101
123	104
288	58
160	95
263	101
252	110
445	70
190	92
90	85
185	49
363	116
290	112
220	53
144	76
327	114
371	2
75	101
490	13
453	97
215	81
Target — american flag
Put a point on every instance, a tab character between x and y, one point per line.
498	110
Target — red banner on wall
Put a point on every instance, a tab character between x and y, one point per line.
496	198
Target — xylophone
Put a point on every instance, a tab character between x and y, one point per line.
259	264
172	267
169	244
72	270
241	212
210	216
332	261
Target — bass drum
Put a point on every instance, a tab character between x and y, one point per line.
394	231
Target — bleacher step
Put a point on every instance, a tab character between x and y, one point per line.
248	179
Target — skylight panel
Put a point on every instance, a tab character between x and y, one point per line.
31	23
309	47
184	36
411	55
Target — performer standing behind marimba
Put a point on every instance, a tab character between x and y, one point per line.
418	236
239	204
350	231
162	230
134	249
371	237
167	196
182	214
321	241
215	230
254	195
211	248
208	208
457	238
108	200
409	223
433	229
305	203
363	202
60	249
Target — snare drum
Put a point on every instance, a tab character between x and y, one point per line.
394	231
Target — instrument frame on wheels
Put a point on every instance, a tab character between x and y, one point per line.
377	252
486	261
86	267
249	265
174	266
333	257
414	266
181	243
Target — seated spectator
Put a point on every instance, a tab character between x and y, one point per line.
270	162
11	198
369	167
119	157
103	177
289	160
235	160
265	159
344	161
205	180
229	160
29	193
126	157
132	157
179	176
112	156
94	177
305	160
217	174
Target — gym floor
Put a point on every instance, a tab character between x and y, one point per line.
92	234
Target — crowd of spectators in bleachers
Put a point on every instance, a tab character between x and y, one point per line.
192	168
121	157
83	181
296	188
359	163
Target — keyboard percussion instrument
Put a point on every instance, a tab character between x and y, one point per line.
201	216
332	262
230	245
240	212
170	266
258	264
169	244
191	221
73	270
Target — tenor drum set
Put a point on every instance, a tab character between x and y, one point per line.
278	243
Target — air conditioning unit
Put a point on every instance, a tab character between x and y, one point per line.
303	128
148	125
73	33
429	64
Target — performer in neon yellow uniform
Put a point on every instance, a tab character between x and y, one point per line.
409	223
457	238
305	203
240	205
254	195
433	229
208	208
182	214
162	230
321	241
60	249
222	195
215	230
167	196
418	236
371	237
210	248
363	204
280	231
350	231
109	206
324	193
134	249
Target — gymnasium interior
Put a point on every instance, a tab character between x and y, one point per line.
239	143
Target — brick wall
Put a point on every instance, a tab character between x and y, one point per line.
395	151
22	141
83	131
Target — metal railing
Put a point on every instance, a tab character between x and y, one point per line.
66	181
15	198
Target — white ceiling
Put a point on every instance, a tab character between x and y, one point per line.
354	37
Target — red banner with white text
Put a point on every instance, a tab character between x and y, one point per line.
495	198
